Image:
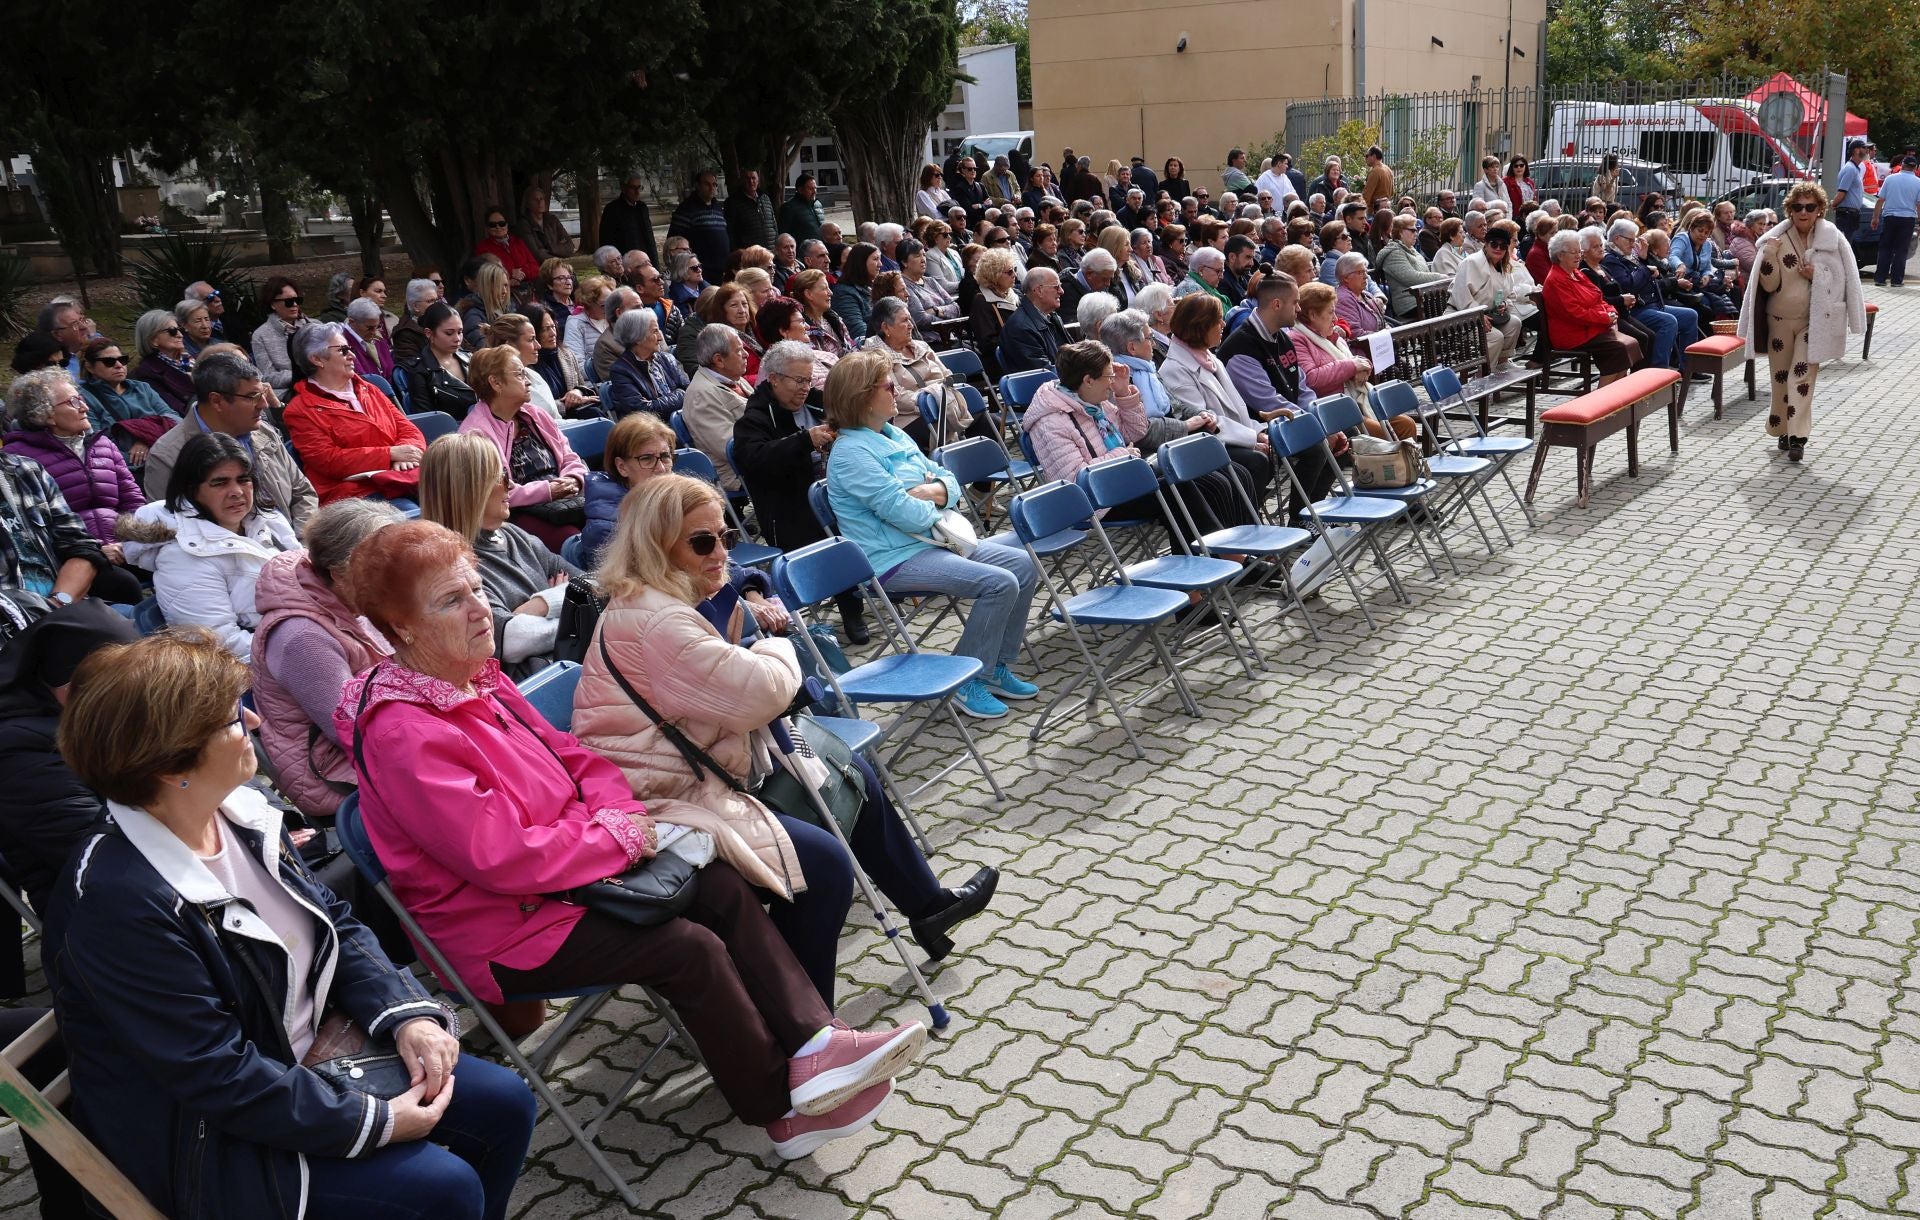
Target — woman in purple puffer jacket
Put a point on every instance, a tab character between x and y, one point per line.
47	423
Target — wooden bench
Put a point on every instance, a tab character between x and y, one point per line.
1582	424
1718	354
1459	341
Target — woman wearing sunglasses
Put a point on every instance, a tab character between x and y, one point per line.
1802	299
164	362
672	630
132	412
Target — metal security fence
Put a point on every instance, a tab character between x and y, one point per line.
1711	135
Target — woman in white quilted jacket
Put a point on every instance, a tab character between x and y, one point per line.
671	627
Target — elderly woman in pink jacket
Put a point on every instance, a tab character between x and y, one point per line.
483	813
671	631
546	480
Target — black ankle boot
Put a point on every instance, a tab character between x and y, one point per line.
1785	441
1797	449
930	930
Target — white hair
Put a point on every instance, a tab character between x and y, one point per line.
419	292
889	232
1093	309
363	309
1561	242
1551	207
1622	228
1123	327
1098	260
1348	263
1207	256
1592	235
1154	300
787	356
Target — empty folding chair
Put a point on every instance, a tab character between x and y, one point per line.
1463	476
682	436
1291	437
906	675
1131	615
1341	414
1442	383
532	1065
1117	480
1137	536
434	424
588	438
1193	457
550	689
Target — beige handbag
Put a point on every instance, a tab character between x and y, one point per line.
1379	464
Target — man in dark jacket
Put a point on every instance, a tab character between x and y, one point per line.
968	191
1034	335
750	214
779	451
802	215
1097	273
703	222
1265	369
1146	180
626	224
44	808
1083	183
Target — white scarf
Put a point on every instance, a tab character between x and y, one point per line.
1338	349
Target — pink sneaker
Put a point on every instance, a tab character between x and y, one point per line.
798	1136
852	1062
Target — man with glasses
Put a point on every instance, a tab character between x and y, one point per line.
233	400
625	223
779	450
69	326
703	222
200	290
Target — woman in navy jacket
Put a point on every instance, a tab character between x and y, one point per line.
196	957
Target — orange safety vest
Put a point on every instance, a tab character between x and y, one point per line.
1869	177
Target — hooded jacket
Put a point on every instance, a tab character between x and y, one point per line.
306	761
204	573
173	1005
335	441
715	692
481	810
95	482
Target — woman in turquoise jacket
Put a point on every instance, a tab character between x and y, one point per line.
887	495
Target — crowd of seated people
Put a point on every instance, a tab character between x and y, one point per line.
260	493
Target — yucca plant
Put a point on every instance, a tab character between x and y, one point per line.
162	271
16	280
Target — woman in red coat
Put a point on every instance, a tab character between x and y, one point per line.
522	267
1578	316
351	439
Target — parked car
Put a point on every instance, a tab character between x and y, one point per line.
1772	193
998	144
1571	181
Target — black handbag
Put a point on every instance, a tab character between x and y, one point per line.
580	613
569	510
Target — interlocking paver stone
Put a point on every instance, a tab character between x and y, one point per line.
1585	886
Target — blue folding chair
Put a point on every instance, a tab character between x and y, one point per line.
906	675
977	459
587	438
1114	481
1463	476
550	690
1131	614
681	436
381	384
1342	414
1019	469
532	1064
1194	457
603	390
1017	389
695	464
1103	489
822	507
435	424
1290	438
1442	383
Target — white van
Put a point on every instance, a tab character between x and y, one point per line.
1708	145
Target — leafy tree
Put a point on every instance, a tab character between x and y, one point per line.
881	121
1605	40
991	21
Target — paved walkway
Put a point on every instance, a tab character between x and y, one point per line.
1584	888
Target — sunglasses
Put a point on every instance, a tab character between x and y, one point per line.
110	360
293	300
1803	207
169	330
702	543
214	295
496	224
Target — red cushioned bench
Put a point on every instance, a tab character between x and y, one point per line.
1866	342
1719	355
1584	422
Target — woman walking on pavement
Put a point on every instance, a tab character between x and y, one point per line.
1802	301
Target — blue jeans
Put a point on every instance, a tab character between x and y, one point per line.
998	580
464	1170
1663	325
811	924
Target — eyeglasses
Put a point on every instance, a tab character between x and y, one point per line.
76	402
702	543
255	395
653	461
1803	207
239	714
110	360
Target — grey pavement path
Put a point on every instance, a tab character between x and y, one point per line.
1583	888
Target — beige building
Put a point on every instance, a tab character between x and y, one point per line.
1110	77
